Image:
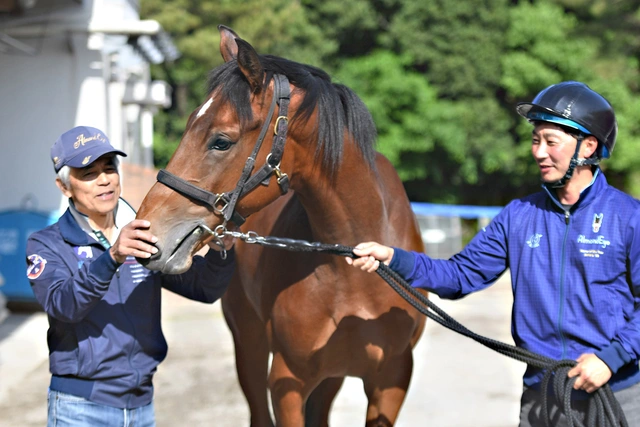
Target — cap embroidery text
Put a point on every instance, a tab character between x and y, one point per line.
81	140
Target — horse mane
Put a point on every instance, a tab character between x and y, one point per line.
338	107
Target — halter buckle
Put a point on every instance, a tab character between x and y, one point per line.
275	127
220	198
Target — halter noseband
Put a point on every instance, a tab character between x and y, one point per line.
225	203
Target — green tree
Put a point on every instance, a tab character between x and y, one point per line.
455	46
440	77
455	43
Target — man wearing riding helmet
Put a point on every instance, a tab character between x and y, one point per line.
572	252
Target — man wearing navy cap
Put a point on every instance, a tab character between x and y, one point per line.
573	252
105	338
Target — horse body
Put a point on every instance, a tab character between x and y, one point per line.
320	319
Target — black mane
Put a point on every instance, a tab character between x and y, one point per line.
338	106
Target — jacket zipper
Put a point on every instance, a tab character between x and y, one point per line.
567	217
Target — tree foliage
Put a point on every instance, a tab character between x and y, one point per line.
441	78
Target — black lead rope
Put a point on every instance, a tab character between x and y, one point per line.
603	411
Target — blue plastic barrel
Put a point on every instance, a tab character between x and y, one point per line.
15	228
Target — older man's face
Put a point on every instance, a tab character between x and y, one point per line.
95	189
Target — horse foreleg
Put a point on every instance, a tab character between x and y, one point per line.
287	394
386	390
319	402
252	354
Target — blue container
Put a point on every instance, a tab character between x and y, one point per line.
15	228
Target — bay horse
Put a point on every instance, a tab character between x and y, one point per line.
320	319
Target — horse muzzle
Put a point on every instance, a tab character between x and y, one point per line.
176	249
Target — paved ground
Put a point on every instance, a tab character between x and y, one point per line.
456	382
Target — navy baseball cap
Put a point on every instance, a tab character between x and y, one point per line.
79	147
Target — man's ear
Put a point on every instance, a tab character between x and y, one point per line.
63	187
589	146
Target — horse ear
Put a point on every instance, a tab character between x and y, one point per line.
250	65
228	46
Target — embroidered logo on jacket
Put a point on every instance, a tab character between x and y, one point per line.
534	240
600	241
597	222
84	252
36	266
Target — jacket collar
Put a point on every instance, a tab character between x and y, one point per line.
73	233
595	187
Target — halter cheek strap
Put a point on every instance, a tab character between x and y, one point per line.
224	203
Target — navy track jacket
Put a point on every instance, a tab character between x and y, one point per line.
575	275
105	338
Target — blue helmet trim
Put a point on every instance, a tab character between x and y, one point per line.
546	117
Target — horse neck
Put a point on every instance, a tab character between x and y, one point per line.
347	208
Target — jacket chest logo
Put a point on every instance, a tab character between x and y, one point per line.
600	241
534	240
84	252
597	222
595	246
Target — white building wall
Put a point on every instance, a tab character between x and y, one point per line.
41	97
71	80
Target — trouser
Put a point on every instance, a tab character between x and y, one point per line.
66	410
531	408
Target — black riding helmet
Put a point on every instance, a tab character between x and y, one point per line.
575	105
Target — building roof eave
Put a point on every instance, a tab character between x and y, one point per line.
146	36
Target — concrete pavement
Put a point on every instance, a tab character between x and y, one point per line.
456	383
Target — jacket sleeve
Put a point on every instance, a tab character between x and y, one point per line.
66	294
207	279
476	267
625	347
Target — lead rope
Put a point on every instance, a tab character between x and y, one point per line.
603	411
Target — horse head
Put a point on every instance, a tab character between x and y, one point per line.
230	161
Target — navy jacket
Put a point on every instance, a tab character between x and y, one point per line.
575	275
105	338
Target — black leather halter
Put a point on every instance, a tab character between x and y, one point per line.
225	203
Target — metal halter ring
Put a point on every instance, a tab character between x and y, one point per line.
267	161
220	231
218	234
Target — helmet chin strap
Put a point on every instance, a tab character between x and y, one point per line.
575	161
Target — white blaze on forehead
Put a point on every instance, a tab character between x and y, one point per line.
204	108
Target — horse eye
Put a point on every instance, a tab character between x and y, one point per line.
220	144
